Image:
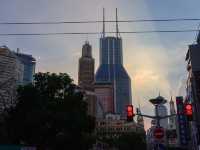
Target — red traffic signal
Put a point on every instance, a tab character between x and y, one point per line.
188	111
158	133
130	112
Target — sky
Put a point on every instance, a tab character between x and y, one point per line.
155	62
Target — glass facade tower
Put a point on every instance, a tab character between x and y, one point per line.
29	67
111	70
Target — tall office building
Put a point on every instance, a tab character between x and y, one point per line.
29	66
193	90
111	70
86	77
11	74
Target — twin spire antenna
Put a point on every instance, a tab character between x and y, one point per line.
103	22
117	27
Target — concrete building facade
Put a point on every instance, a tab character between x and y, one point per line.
112	126
104	93
193	91
86	77
11	74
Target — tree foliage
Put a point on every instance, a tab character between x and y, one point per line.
131	141
49	113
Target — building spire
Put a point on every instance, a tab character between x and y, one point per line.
117	27
171	99
198	38
103	33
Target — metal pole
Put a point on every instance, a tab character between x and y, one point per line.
157	116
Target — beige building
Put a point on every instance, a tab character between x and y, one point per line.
113	126
11	74
104	93
86	77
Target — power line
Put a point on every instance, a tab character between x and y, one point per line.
90	21
96	33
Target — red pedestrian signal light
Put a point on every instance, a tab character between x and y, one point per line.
158	133
189	111
130	113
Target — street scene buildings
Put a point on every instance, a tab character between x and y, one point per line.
107	93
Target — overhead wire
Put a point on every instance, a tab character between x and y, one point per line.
96	33
98	21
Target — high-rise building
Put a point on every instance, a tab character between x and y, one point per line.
11	74
29	66
193	90
86	68
86	77
111	70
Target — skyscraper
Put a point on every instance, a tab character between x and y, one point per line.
29	66
111	69
86	77
193	90
86	68
11	74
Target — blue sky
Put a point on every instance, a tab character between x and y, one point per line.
155	62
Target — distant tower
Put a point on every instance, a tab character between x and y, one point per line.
172	120
86	77
111	69
86	68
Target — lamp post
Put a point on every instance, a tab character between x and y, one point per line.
159	131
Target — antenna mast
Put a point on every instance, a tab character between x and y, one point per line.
103	23
117	27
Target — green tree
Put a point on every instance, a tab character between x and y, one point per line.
131	141
50	113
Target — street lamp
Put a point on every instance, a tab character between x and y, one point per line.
157	101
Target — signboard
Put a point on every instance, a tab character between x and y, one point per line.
182	121
171	136
159	133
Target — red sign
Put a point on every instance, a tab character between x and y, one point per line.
159	133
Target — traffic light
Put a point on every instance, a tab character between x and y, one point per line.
189	112
130	113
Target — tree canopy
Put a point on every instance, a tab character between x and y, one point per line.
49	113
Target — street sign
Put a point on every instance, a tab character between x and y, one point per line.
159	133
